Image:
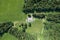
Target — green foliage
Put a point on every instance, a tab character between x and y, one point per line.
53	18
23	26
39	16
52	31
8	36
21	35
4	27
42	5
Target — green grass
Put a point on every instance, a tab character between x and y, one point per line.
36	26
7	36
37	29
11	10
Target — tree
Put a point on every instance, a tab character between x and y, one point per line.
21	35
53	31
39	16
4	27
53	18
41	6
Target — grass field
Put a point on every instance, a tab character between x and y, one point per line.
11	10
7	36
36	26
37	29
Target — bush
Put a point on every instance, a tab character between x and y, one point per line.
41	5
53	18
21	35
29	24
39	16
52	31
4	27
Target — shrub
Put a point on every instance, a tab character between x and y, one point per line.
39	16
53	18
4	27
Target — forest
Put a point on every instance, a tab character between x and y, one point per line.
41	6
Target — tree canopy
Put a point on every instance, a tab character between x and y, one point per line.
41	5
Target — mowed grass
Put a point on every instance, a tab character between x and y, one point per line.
37	29
7	36
36	26
11	10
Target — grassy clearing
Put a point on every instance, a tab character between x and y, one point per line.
7	36
11	10
36	26
37	29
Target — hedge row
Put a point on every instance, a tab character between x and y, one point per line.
41	5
